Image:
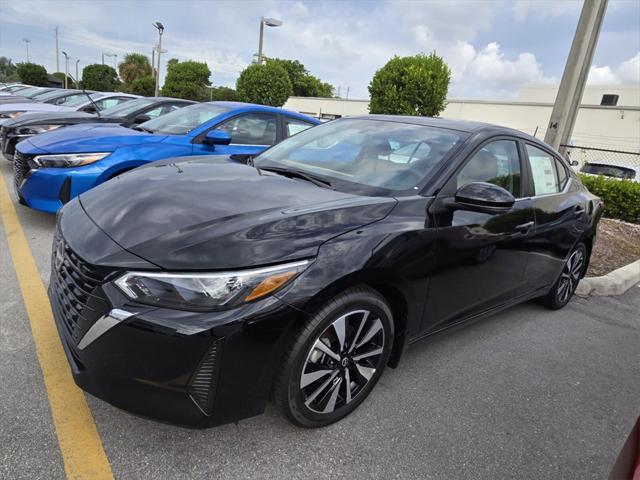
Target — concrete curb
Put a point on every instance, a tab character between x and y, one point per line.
613	283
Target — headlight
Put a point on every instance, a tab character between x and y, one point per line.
68	160
207	291
36	129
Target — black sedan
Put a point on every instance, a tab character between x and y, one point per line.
193	291
126	114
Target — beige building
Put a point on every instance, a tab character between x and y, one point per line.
609	117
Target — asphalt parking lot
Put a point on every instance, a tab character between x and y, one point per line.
528	393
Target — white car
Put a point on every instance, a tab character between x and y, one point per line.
612	169
91	102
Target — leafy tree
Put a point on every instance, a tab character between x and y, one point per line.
302	82
223	94
187	80
134	66
145	86
32	74
8	70
60	75
266	84
100	77
415	85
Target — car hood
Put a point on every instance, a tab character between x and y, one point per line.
90	137
33	107
199	214
54	118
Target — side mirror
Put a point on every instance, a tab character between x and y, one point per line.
141	118
217	137
484	197
89	109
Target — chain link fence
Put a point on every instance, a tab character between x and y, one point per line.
601	156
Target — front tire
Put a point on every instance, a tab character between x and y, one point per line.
336	359
567	282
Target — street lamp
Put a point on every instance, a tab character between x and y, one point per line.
27	42
115	62
77	75
160	28
269	22
66	68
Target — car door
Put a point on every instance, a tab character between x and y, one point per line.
250	133
560	215
481	255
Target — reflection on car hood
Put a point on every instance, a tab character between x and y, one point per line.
199	214
52	118
90	137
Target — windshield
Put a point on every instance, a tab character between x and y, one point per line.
609	171
79	99
30	92
55	94
126	108
184	120
375	153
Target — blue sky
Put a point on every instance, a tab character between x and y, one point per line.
493	47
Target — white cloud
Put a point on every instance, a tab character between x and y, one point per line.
628	72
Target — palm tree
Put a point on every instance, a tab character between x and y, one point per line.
134	66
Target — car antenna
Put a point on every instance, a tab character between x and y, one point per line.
87	95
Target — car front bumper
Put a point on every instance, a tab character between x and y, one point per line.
188	368
48	189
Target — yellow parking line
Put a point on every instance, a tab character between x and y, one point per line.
80	444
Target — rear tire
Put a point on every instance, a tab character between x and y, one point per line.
336	359
572	271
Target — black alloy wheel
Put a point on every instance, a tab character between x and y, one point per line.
566	285
336	359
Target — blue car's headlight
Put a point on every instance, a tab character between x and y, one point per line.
68	160
207	291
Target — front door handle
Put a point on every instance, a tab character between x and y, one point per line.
525	227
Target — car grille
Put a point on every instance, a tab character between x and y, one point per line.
21	168
76	294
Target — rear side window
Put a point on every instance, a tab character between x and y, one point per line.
295	126
549	175
498	163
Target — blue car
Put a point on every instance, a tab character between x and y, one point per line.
52	168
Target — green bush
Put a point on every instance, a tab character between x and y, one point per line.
144	86
32	74
266	84
187	79
416	85
621	197
222	94
102	78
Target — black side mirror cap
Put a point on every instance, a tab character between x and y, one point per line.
141	118
484	196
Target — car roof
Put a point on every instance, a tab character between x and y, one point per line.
169	99
261	108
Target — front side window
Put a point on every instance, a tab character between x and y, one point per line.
79	99
251	129
127	108
498	163
372	153
544	171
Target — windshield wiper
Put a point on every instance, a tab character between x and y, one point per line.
320	182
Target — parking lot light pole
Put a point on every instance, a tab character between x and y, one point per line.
576	71
160	28
66	68
77	77
269	22
27	42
